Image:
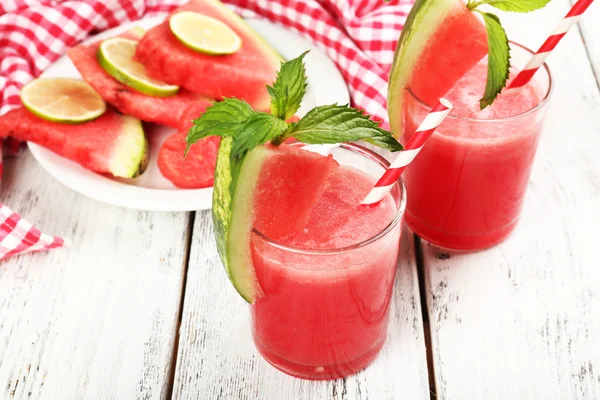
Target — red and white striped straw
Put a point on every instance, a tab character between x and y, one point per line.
540	56
405	157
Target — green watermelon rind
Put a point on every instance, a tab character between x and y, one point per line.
131	151
232	212
422	22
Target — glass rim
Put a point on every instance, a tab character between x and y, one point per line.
532	110
387	229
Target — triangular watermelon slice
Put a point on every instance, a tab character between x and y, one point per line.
243	74
440	42
111	144
271	189
160	110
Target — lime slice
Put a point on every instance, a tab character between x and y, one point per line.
63	100
115	55
204	34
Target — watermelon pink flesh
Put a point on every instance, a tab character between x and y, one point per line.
290	183
197	169
94	145
440	42
458	45
243	74
160	110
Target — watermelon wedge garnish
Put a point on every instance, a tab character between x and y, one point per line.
161	110
272	189
262	180
112	144
440	42
243	74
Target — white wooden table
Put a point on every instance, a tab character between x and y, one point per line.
139	307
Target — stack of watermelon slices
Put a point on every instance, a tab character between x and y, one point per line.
202	78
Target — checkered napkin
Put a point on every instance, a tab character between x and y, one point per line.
358	35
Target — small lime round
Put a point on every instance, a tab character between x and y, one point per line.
204	34
62	100
115	56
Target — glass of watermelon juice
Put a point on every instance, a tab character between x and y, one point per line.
467	185
327	289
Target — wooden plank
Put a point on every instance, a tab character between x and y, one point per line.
590	31
217	358
520	321
97	320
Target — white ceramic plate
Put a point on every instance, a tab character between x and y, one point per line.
151	191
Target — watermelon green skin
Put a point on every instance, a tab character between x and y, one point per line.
440	42
243	74
270	189
161	110
112	144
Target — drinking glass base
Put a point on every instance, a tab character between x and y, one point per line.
456	242
320	372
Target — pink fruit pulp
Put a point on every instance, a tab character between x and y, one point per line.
91	144
160	110
243	74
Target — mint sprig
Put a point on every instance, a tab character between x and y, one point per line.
498	59
335	124
323	124
289	88
498	48
223	119
258	129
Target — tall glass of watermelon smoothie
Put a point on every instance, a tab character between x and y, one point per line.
324	309
467	185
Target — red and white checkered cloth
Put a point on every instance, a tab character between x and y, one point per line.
358	35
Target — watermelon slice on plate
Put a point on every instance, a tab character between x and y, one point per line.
243	74
272	190
197	169
112	144
440	42
161	110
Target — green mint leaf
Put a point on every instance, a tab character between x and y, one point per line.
386	142
498	59
336	124
520	6
221	119
289	88
258	129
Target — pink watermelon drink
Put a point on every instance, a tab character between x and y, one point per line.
316	266
327	287
467	185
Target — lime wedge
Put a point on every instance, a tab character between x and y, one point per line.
65	100
115	56
204	34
